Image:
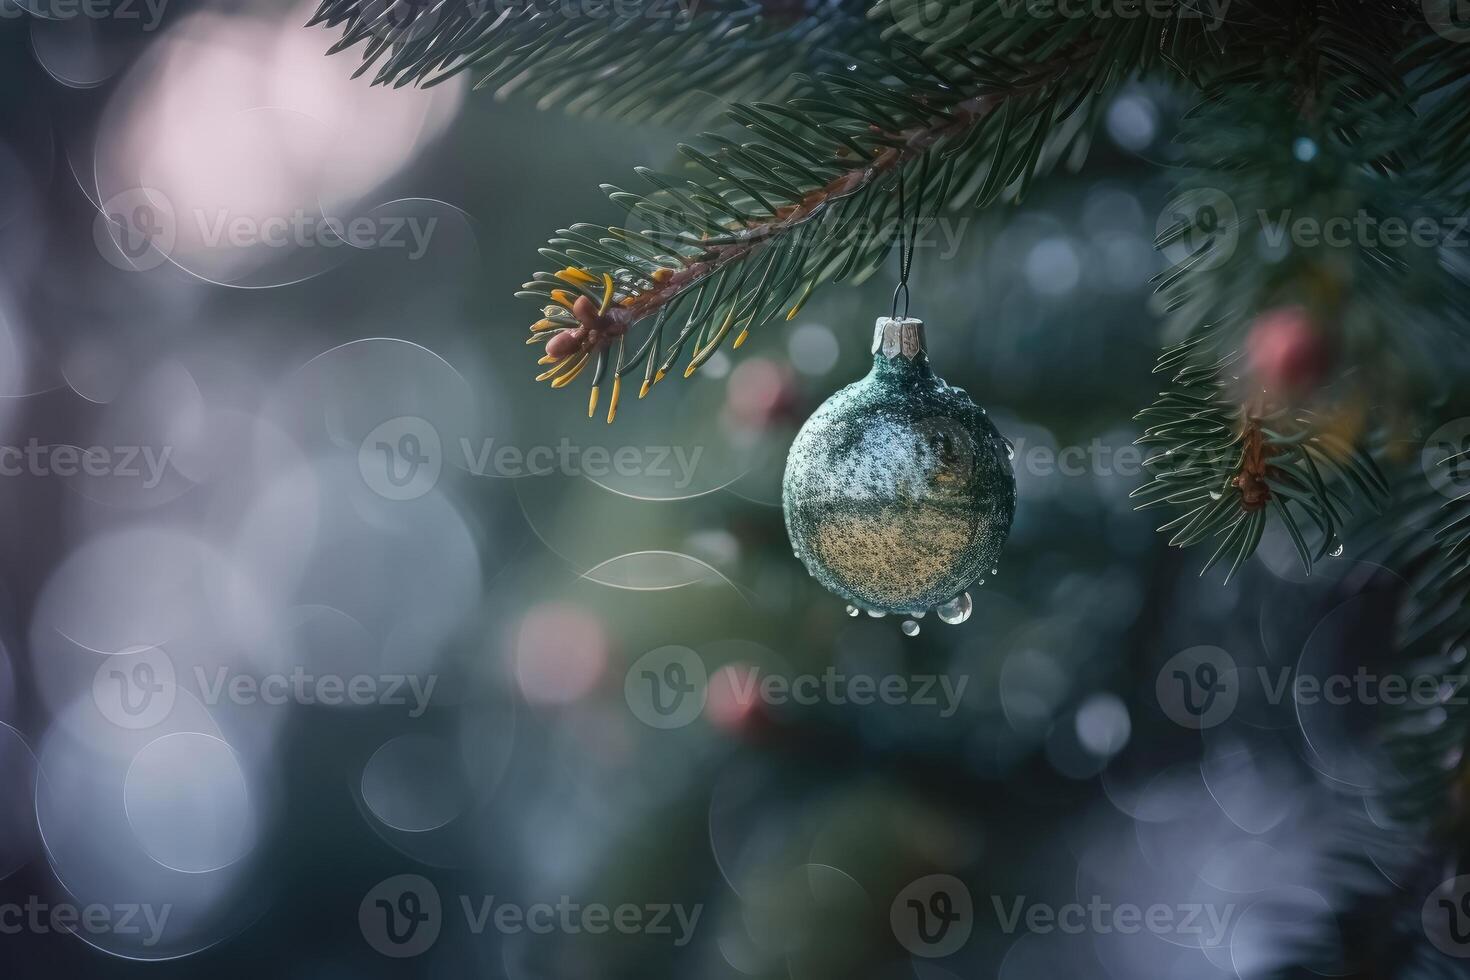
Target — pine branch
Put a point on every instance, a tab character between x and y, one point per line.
1428	539
1225	464
814	197
626	59
1282	142
711	259
1438	67
1424	790
1325	136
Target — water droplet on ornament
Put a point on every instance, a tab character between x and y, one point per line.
853	610
957	610
1216	495
910	628
1010	449
1337	552
994	572
979	582
876	614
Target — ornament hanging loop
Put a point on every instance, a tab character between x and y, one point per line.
901	289
908	236
905	253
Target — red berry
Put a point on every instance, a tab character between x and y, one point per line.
761	394
1287	350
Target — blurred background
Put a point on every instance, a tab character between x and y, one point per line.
333	646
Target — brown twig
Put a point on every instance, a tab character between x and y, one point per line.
1255	462
598	327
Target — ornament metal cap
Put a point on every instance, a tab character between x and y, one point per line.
899	337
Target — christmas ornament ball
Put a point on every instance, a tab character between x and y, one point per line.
898	491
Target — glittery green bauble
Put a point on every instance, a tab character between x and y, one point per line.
899	492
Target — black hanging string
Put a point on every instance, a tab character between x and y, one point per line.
907	237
